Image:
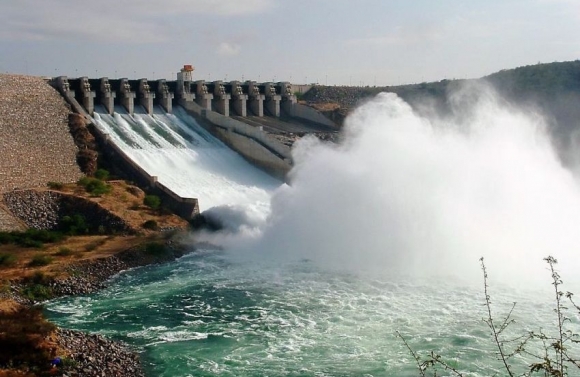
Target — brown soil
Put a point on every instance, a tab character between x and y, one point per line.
125	201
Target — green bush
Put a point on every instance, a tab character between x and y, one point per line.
152	201
150	224
6	238
94	186
31	238
40	260
64	252
74	225
155	248
7	260
102	174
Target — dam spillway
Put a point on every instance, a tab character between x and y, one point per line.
186	158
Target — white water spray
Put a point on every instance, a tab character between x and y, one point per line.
408	194
186	158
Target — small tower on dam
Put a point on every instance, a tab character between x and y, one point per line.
184	79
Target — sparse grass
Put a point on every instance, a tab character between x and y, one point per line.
40	260
95	244
64	251
7	260
55	185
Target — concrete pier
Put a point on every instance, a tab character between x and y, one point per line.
202	97
256	99
221	99
107	96
272	99
288	97
88	95
146	96
126	95
239	99
64	86
164	96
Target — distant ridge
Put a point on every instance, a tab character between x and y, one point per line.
552	89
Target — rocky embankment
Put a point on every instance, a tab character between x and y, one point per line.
46	209
89	355
36	143
347	97
91	275
95	356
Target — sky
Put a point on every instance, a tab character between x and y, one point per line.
330	42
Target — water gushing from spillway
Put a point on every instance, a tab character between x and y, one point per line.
362	243
189	160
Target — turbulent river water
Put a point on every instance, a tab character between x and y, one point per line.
379	234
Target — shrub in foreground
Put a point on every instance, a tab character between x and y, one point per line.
553	354
22	339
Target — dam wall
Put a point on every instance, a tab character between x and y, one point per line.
300	111
240	98
184	207
250	142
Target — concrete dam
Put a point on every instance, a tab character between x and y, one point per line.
179	137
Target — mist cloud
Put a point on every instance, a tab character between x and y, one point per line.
414	195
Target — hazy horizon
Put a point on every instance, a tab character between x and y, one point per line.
336	43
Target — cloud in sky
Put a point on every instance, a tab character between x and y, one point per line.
129	21
330	41
228	49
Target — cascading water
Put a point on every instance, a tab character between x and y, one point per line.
380	233
187	159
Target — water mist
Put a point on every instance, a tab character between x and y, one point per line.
403	193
